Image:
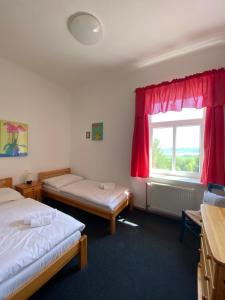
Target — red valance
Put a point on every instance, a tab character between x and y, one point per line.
196	91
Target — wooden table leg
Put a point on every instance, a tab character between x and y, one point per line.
112	225
131	202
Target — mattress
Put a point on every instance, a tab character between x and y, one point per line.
9	286
88	191
50	188
21	245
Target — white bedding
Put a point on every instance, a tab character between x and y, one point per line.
109	208
89	191
50	188
7	287
60	181
9	194
21	245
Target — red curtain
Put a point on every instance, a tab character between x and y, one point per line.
140	149
197	91
213	164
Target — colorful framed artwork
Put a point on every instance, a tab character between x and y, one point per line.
13	139
97	131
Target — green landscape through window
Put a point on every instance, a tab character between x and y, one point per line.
176	148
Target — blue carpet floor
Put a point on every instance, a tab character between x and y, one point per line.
137	263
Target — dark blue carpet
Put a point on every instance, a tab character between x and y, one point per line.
142	263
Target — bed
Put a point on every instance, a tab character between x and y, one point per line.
29	257
68	196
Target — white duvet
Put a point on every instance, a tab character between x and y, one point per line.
21	245
90	190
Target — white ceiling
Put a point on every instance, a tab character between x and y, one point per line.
136	33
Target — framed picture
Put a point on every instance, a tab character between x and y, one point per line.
88	134
97	131
13	139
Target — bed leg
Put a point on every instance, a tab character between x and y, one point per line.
131	202
83	252
113	225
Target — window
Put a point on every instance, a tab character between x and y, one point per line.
176	142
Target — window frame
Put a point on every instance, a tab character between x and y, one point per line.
174	124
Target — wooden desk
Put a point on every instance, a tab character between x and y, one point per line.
211	269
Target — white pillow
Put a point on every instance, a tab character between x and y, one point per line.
59	181
213	199
8	194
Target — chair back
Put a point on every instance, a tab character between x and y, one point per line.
213	186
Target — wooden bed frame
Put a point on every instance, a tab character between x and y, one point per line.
78	248
111	216
6	182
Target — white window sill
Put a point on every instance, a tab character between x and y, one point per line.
178	179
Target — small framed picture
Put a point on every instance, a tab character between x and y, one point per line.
88	134
97	131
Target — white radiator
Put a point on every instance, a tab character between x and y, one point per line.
168	199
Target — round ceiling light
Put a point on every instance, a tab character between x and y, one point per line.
85	28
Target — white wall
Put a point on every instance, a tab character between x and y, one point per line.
50	113
45	107
113	103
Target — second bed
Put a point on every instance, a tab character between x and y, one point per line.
86	194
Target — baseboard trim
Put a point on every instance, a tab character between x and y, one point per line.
159	213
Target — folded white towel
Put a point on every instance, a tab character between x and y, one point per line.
41	221
107	185
30	216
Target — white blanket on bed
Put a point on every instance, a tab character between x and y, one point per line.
21	245
90	190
